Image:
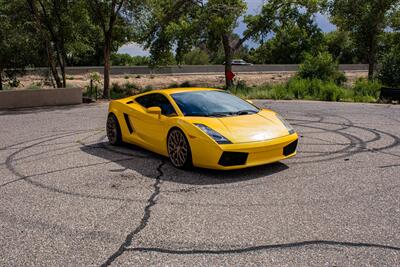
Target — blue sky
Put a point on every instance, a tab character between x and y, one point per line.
253	8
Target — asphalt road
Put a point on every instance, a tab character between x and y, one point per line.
69	199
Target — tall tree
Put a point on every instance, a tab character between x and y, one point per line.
341	46
18	44
179	24
62	26
290	44
366	20
41	21
110	15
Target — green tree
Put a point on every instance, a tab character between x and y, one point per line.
40	19
290	44
321	66
18	45
180	24
389	72
114	18
127	60
366	20
341	46
196	56
217	54
63	27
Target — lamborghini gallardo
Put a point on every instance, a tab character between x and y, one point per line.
201	127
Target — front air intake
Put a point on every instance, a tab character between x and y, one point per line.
290	148
232	159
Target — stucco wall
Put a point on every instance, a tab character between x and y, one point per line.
37	98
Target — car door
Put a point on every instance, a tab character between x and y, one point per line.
151	128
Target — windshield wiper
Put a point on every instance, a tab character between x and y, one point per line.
220	114
216	114
223	114
246	112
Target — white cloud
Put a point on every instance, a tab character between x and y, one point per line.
133	49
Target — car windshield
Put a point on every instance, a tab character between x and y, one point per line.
212	104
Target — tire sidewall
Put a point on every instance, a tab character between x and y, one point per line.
188	163
118	140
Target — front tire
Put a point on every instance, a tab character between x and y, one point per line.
178	149
113	130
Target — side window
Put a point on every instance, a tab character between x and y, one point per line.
166	107
157	100
145	101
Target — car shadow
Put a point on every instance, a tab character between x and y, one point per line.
145	162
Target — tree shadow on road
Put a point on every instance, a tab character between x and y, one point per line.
135	158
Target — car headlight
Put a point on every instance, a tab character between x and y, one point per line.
287	124
220	139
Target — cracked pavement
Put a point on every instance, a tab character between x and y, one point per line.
67	198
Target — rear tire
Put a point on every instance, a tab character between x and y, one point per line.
179	150
113	130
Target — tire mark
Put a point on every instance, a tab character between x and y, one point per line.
356	145
266	247
10	166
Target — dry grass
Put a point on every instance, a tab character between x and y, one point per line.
161	81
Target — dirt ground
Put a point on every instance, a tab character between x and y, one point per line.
161	81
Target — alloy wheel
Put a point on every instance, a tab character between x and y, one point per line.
112	130
178	148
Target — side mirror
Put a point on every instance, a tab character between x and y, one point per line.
154	110
248	100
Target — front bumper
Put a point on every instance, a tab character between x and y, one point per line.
237	156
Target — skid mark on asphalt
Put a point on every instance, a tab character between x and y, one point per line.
320	125
144	221
28	178
266	247
356	144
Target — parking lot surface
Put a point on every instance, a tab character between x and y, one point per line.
67	198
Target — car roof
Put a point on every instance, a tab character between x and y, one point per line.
168	91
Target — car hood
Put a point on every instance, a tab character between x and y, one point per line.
248	128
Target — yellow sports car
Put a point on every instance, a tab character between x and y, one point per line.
201	127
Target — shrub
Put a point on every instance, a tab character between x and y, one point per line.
365	88
331	92
146	89
241	84
312	89
128	60
298	87
389	74
186	84
13	82
280	91
95	77
196	57
35	86
339	78
96	85
173	85
322	67
365	99
125	90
